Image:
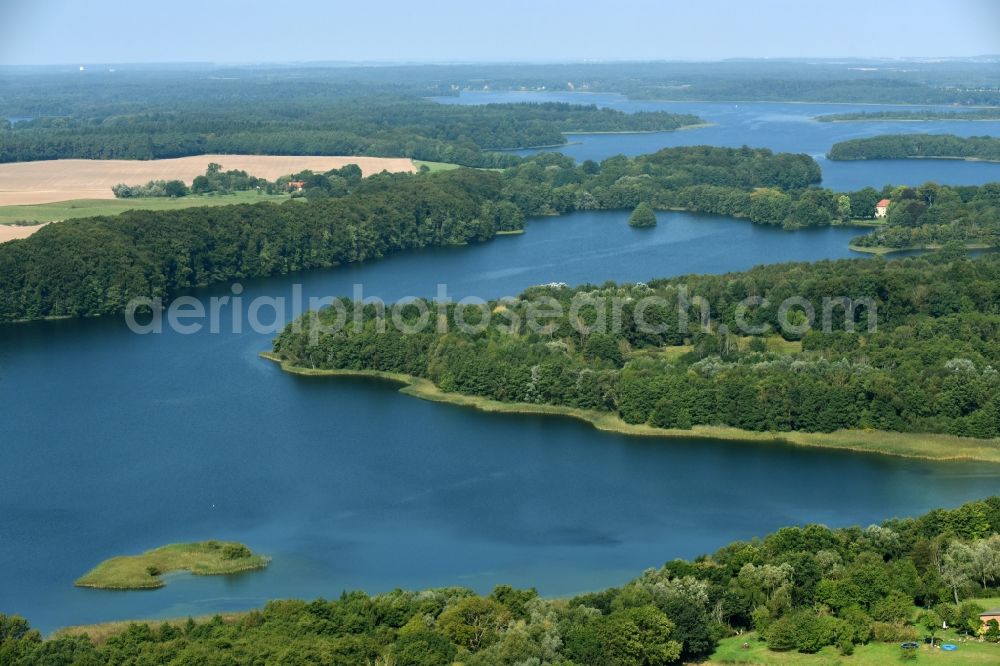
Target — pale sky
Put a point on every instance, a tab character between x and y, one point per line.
248	31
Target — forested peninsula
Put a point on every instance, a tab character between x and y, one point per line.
919	355
809	589
910	116
95	266
927	146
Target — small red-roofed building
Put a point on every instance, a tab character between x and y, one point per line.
882	207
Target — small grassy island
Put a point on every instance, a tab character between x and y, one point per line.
143	572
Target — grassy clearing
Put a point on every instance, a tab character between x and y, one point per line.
436	166
671	353
777	345
65	210
730	651
143	572
906	445
861	222
880	250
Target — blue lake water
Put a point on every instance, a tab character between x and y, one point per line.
114	443
784	127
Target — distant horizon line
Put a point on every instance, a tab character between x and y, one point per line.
418	62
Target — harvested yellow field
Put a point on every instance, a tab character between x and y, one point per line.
9	232
61	180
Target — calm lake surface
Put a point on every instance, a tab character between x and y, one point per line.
783	127
114	443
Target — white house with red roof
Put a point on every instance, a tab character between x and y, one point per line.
882	207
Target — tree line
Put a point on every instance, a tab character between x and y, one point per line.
45	92
918	354
385	126
800	588
335	182
923	114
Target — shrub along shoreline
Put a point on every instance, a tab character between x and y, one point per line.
924	446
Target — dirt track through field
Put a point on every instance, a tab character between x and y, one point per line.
61	180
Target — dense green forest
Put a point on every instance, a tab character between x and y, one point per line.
389	126
765	187
95	266
800	588
924	114
929	365
902	146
